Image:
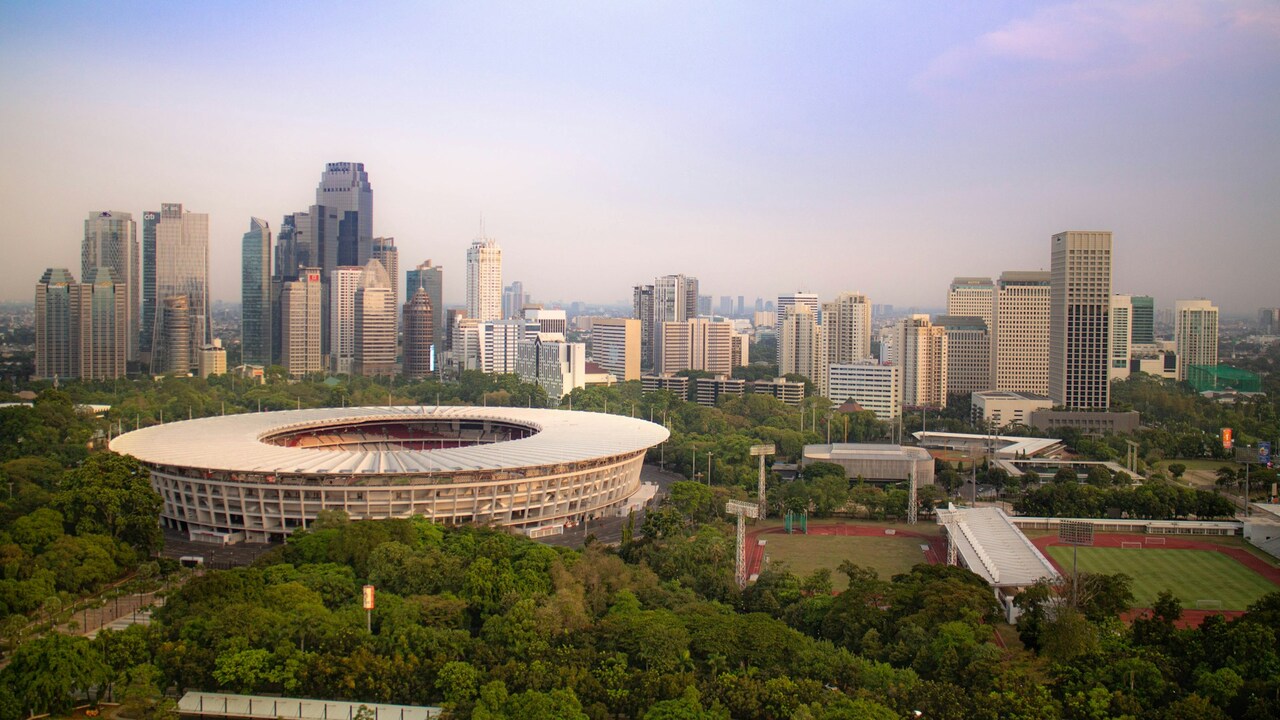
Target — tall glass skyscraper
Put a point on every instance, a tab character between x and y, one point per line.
176	246
347	196
1144	320
255	294
111	240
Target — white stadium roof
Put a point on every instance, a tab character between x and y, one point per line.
994	548
234	443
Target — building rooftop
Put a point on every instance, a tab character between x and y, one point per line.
1010	445
1010	395
865	451
226	705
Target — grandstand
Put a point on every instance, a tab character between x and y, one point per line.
986	541
258	477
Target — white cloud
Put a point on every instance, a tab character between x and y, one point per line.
1092	39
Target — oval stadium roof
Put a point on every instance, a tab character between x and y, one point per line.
233	443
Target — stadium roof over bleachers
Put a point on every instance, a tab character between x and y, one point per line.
235	442
1002	445
989	544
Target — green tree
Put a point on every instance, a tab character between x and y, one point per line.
48	673
111	494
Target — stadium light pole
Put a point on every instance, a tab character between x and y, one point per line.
708	468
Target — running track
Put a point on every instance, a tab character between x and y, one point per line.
937	554
1190	617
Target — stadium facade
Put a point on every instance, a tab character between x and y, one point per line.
258	477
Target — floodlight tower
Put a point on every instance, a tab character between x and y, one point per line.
913	501
761	451
742	510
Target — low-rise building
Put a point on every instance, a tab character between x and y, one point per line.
875	387
678	384
710	390
875	463
790	392
1094	422
1002	408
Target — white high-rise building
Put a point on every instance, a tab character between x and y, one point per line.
875	387
1079	326
499	345
385	252
1120	337
111	240
1020	333
343	283
921	351
971	297
375	322
559	367
847	323
802	345
1195	333
484	280
301	323
808	300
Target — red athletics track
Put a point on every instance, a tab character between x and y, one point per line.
937	545
1190	617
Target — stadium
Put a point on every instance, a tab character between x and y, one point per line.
258	477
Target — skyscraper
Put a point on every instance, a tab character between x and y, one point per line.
615	346
344	282
695	344
1144	320
802	345
1079	312
111	240
347	196
847	321
172	351
384	251
1120	337
968	354
484	280
419	334
255	294
301	322
642	310
375	322
513	299
430	278
56	341
920	349
1020	333
102	307
809	300
971	297
178	245
1195	333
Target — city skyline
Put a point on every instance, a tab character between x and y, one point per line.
914	142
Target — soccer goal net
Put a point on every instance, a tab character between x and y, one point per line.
1131	545
1155	541
1208	604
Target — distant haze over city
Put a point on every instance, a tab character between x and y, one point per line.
883	148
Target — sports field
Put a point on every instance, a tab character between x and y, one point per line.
1192	575
888	555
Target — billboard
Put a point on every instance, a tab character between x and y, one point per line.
1264	453
1226	439
368	597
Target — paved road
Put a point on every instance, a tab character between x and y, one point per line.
608	530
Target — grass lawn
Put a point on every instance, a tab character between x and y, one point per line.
1192	575
805	553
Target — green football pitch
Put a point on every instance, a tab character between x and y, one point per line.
888	555
1192	575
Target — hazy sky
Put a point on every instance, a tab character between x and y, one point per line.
881	147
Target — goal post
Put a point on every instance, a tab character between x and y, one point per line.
1131	545
1208	604
1155	541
